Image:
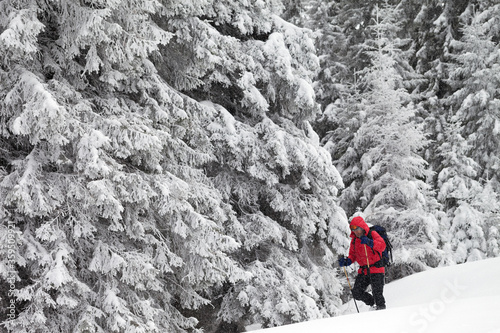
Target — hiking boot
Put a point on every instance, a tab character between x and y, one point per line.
381	307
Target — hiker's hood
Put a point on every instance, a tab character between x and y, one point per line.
359	222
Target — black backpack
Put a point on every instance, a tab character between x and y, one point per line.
386	255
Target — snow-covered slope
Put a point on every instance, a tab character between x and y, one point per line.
461	298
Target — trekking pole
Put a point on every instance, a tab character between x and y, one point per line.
368	264
349	283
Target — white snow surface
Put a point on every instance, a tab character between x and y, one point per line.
459	298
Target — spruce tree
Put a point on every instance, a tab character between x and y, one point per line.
474	105
159	161
476	99
462	233
116	226
280	182
388	176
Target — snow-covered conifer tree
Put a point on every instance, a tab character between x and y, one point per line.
159	160
269	165
462	227
474	104
388	177
331	44
475	77
116	226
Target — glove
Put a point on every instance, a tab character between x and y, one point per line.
367	241
344	262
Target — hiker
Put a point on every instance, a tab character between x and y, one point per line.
371	271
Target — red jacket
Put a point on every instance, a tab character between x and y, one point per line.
357	250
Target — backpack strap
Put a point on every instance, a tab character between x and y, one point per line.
371	237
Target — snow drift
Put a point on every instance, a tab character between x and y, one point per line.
460	298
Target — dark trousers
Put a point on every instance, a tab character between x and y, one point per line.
362	283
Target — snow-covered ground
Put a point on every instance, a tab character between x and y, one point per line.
461	298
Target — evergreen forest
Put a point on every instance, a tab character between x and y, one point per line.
192	165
